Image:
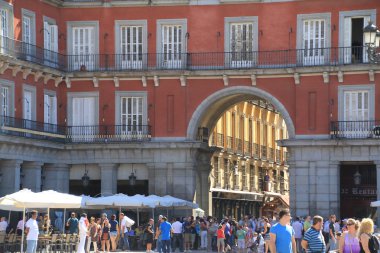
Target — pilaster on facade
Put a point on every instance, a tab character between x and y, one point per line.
11	178
32	175
109	178
57	177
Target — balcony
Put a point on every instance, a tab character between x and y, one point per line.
229	141
239	146
369	129
256	150
264	153
74	134
271	154
247	148
278	156
277	59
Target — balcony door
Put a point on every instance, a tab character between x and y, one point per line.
50	44
356	114
27	36
83	48
132	117
354	51
172	46
4	33
50	112
314	42
241	45
84	125
131	47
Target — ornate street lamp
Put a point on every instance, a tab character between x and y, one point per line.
372	42
85	178
132	178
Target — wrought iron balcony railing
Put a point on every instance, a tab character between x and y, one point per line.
74	134
183	61
256	150
355	129
247	148
239	146
278	156
264	153
229	141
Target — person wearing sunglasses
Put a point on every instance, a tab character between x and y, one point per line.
349	242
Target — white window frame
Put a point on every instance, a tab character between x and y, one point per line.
345	55
8	8
52	108
228	21
32	16
70	112
118	99
313	60
122	61
11	93
91	61
350	129
33	106
50	29
176	63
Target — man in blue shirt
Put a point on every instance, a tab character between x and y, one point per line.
73	223
282	235
313	240
165	231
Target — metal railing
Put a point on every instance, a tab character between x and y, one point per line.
270	154
184	61
74	134
239	146
278	156
229	141
220	140
355	129
264	153
247	148
256	150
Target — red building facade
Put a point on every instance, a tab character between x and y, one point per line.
135	86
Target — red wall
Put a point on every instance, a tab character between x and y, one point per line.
204	23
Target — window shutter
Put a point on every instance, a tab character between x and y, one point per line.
47	106
4	23
347	40
365	23
54	110
46	36
54	38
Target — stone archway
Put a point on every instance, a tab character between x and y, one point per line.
210	110
208	113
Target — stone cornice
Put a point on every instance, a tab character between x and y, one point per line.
133	3
328	142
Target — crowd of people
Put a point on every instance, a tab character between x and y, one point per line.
248	235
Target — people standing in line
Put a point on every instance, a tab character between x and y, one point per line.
177	235
165	231
20	227
366	229
187	230
32	232
349	242
149	238
204	229
158	236
240	234
307	224
114	232
313	240
72	223
46	224
297	227
3	226
106	235
82	233
266	233
282	235
221	238
331	245
94	233
124	232
326	230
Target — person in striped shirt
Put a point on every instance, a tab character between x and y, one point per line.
313	241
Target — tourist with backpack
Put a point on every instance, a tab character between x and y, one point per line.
368	242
